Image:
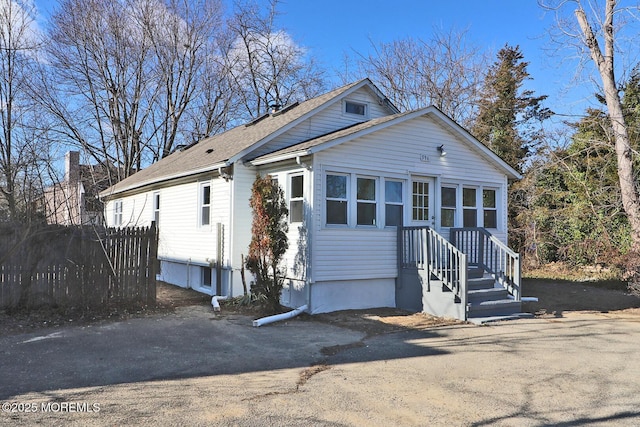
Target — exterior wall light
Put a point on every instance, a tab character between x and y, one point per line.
441	150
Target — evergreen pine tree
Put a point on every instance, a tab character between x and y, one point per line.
508	114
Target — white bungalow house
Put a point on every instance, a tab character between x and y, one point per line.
368	189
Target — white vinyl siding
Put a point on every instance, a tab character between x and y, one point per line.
130	211
395	153
294	183
355	253
180	238
325	121
241	218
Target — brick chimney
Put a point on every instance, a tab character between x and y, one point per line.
72	167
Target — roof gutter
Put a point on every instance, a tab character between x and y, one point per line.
286	156
216	166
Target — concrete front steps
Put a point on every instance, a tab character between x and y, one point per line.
487	302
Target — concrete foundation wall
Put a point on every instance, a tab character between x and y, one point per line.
190	275
352	295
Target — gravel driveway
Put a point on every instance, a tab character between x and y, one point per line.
192	367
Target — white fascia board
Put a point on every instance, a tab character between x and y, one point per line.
280	158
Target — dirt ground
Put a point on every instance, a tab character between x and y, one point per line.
555	297
182	364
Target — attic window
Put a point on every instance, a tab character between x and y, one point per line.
355	108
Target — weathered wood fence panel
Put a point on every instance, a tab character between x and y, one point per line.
77	266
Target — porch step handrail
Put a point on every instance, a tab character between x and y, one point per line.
488	252
423	248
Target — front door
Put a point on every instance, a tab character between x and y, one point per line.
422	201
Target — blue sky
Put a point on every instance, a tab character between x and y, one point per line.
332	28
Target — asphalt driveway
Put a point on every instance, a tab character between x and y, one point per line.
192	367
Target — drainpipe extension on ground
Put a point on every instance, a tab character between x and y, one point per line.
278	317
215	299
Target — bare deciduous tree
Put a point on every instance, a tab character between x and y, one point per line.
18	50
265	66
598	39
123	75
443	71
182	33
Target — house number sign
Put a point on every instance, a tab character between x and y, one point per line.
424	158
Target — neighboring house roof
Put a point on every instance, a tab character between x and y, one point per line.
339	136
221	150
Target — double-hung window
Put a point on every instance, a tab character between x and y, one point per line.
392	203
205	204
448	207
296	198
337	192
366	201
490	210
156	208
117	213
469	208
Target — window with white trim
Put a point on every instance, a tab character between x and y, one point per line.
367	204
156	208
448	202
205	204
337	196
469	208
490	209
356	108
393	197
117	213
296	198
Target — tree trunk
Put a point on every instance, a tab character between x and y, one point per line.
629	191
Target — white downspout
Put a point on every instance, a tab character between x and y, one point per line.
215	299
277	317
189	274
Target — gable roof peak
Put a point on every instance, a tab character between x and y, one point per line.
225	148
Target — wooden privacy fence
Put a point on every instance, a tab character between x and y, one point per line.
77	266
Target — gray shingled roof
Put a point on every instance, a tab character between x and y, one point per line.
214	152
